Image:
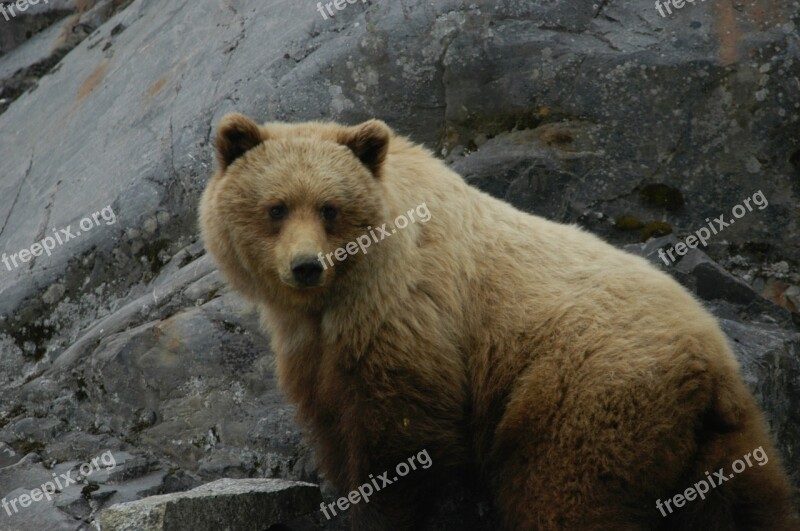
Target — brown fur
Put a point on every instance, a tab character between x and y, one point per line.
582	383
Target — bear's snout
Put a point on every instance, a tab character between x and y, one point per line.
306	271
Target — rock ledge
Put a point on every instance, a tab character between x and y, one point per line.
225	504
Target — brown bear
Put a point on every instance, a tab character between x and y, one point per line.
588	389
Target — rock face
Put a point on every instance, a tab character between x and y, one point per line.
124	338
63	23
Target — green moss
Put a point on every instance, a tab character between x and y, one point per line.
29	446
490	125
627	223
14	412
655	229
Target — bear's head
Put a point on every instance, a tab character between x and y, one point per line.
285	196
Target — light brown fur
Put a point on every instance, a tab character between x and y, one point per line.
581	382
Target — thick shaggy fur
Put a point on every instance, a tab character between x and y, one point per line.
581	383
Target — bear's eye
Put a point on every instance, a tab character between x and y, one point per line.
329	213
278	212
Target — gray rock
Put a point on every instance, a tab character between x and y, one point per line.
20	480
19	25
67	23
8	456
225	504
79	501
27	473
770	358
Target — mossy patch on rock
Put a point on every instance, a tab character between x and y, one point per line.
28	446
13	413
655	229
558	137
627	223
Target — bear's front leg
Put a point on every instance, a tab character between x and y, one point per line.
386	447
402	503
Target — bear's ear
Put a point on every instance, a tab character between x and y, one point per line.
370	143
236	135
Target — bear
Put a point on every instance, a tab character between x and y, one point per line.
584	388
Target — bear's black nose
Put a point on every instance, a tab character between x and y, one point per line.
306	271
